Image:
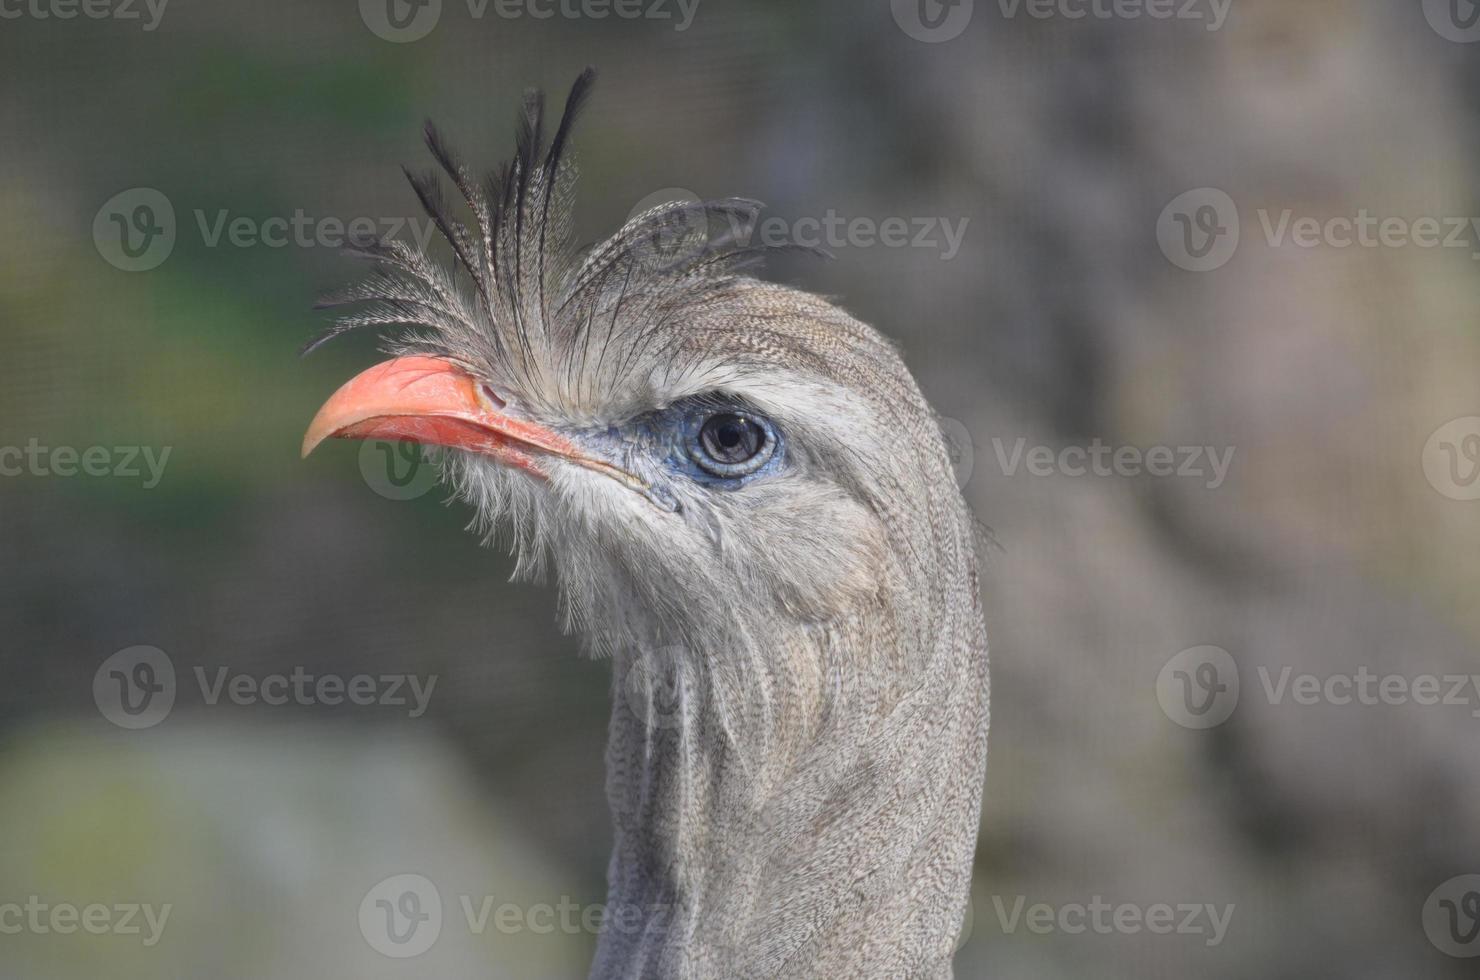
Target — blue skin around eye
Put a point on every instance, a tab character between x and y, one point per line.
671	435
676	430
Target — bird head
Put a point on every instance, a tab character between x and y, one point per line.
710	462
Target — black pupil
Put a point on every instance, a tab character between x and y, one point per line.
732	438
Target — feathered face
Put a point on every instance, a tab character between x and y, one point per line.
706	457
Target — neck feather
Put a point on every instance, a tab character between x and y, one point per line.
813	813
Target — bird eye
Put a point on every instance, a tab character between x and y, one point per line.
729	444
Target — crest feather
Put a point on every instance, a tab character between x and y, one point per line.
552	325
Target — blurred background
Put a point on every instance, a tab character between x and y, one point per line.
1193	283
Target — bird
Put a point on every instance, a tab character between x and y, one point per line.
748	506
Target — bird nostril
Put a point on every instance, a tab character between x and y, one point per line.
486	391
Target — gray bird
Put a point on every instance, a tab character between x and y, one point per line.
749	507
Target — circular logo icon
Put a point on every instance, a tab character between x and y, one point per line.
1451	459
680	234
1199	230
134	230
932	21
401	21
1198	688
399	470
401	916
657	684
1451	917
1454	20
135	687
959	448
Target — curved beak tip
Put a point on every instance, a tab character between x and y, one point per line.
408	388
311	439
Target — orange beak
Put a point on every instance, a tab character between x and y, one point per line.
435	402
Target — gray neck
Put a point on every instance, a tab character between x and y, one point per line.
829	833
